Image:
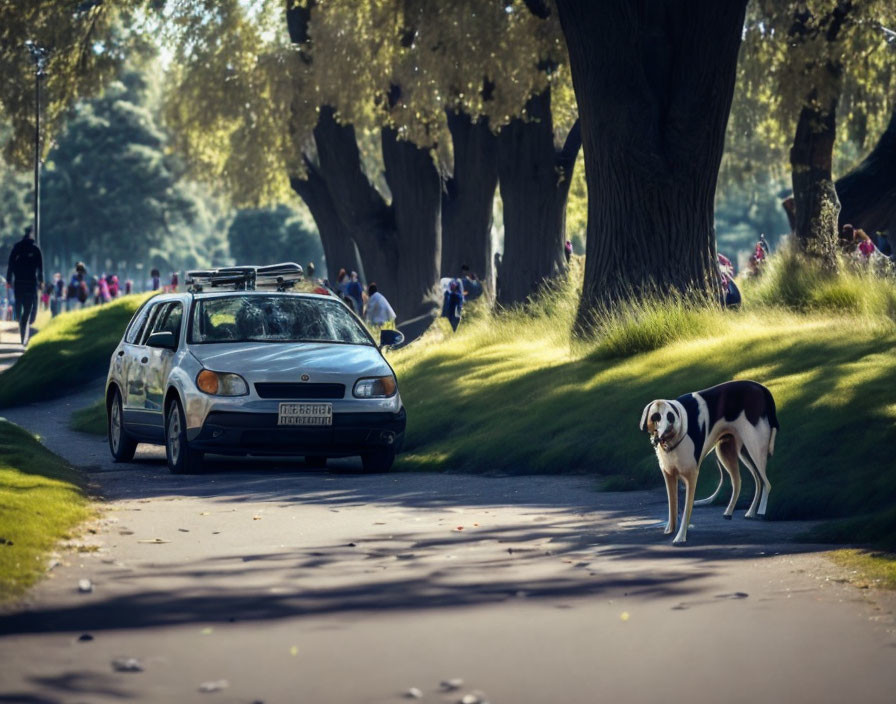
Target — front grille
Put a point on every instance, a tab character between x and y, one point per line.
300	391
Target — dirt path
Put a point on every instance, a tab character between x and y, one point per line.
277	584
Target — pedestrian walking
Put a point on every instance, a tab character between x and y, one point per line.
379	312
57	295
567	250
156	279
25	271
355	292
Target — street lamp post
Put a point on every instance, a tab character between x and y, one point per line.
39	55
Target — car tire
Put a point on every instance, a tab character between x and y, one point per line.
378	461
182	459
316	461
121	445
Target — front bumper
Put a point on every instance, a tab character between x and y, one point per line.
240	433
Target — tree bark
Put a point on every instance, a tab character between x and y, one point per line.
816	208
416	188
339	247
654	80
467	198
534	178
868	192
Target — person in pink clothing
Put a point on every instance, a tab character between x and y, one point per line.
864	244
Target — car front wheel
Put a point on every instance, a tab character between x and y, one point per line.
122	445
378	461
182	459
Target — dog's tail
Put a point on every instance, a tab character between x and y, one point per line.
709	499
772	415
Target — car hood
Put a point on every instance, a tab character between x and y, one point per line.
287	361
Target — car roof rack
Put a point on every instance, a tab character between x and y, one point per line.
273	277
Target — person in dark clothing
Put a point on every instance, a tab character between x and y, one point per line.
25	273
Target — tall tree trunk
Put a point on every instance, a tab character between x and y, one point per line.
534	177
816	208
654	80
868	192
468	197
339	247
416	188
399	244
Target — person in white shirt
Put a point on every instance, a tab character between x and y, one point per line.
379	312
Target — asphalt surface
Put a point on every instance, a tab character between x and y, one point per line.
262	581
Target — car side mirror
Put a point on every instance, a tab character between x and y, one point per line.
390	338
163	340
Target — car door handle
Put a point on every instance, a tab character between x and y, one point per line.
144	360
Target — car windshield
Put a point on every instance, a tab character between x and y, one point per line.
275	318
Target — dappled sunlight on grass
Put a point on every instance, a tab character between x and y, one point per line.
510	394
41	501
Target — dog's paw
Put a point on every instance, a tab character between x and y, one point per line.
680	541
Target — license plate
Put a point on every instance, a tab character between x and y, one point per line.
305	414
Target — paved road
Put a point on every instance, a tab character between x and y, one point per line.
327	586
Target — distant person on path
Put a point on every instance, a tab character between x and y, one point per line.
864	245
156	279
730	293
379	312
25	272
567	250
355	292
58	294
77	291
175	282
453	303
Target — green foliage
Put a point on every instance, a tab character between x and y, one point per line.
780	71
273	235
243	100
41	501
110	190
87	43
72	349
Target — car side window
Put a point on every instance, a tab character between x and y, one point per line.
151	321
171	320
136	327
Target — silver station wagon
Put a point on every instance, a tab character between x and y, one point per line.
242	365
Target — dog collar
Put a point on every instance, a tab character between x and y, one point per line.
669	449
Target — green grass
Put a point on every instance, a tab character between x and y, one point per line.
41	502
868	569
514	393
69	350
91	419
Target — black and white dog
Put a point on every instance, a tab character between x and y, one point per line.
736	418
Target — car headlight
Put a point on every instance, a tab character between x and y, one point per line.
221	384
375	387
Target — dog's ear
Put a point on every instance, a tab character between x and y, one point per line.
643	425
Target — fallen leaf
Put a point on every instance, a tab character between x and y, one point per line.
85	586
215	686
256	518
207	631
624	616
413	693
452	684
153	541
460	527
294	650
127	665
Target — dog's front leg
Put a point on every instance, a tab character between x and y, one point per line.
690	485
672	496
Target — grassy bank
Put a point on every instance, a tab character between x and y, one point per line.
69	350
91	419
516	394
41	502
